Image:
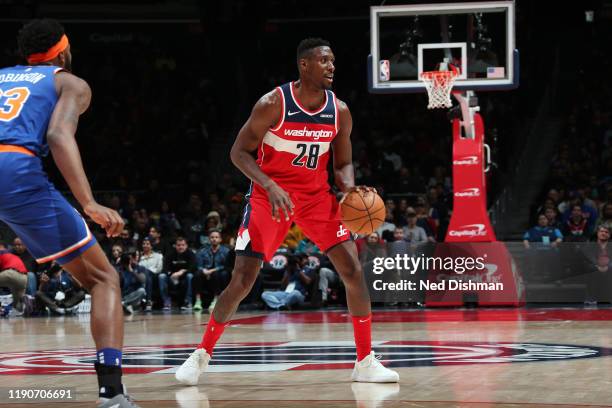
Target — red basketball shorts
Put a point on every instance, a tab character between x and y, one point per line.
318	215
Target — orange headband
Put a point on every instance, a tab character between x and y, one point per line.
51	53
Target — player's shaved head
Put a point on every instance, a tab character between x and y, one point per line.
307	45
38	36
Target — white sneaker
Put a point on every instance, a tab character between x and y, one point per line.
371	370
189	372
191	397
372	395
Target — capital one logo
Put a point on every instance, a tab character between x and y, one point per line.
468	192
471	230
466	161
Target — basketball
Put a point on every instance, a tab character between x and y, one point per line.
362	212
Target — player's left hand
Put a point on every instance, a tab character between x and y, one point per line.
107	218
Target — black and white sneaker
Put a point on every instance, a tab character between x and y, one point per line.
118	401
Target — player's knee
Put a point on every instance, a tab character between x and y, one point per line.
104	277
243	280
246	283
351	274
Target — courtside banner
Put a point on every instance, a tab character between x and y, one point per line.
493	273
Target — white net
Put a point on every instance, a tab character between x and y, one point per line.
439	85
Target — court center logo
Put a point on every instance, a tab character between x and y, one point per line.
281	356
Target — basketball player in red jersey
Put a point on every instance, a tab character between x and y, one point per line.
294	129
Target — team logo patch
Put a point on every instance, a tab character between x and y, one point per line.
281	356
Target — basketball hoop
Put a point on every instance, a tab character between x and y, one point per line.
439	85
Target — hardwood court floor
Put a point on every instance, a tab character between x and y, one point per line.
545	358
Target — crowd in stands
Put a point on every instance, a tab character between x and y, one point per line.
149	136
151	142
183	260
572	220
577	197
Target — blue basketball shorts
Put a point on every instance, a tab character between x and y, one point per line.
30	205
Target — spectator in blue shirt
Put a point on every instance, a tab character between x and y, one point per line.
211	276
542	234
296	280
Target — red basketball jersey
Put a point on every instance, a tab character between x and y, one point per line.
295	152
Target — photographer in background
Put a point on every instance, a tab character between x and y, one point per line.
58	291
296	281
132	277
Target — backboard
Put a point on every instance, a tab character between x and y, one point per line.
477	37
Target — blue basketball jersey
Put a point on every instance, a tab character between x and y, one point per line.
27	100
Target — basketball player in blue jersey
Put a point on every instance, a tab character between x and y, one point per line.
295	129
40	105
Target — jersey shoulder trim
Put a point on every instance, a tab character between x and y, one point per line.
336	113
281	121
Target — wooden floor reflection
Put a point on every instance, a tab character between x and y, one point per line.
446	358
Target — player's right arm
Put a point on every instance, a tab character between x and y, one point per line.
265	114
74	96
